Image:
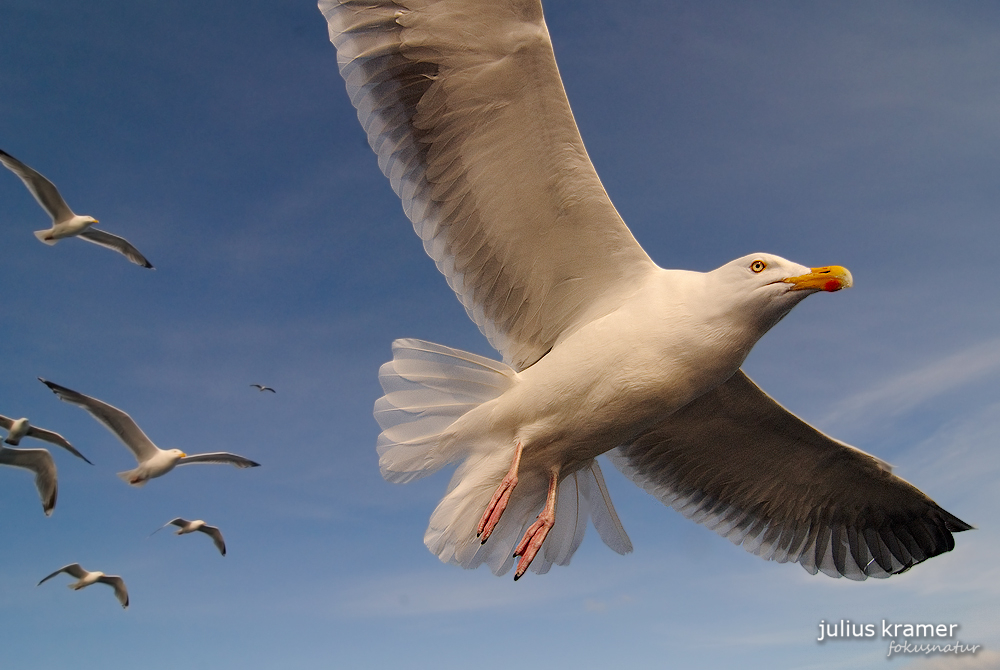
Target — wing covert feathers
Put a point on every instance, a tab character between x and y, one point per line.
737	462
479	142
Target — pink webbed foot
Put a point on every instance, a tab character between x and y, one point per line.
533	538
491	517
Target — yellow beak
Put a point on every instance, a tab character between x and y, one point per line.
831	278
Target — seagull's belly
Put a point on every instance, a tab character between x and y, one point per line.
602	388
159	465
70	228
18	429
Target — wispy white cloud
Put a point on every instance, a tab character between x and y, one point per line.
909	390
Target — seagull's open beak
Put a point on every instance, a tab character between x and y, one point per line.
831	278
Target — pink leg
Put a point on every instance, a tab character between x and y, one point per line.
537	532
491	517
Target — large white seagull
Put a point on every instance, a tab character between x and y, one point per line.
604	351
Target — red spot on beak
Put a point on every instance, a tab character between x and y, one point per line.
832	285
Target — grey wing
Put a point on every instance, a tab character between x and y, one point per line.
119	585
119	244
463	103
115	420
175	522
40	462
219	457
737	462
44	191
216	536
6	422
73	569
56	439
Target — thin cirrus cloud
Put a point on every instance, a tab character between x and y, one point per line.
908	391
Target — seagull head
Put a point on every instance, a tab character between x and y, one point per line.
760	289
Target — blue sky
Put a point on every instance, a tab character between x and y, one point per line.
218	138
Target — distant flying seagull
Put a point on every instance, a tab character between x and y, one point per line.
153	461
604	351
64	222
40	462
19	428
263	388
86	578
200	526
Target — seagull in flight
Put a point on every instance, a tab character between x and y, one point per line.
86	578
20	428
64	222
261	388
604	352
200	526
153	461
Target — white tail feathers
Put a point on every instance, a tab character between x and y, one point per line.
427	388
582	495
41	234
128	475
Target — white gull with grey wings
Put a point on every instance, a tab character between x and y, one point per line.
603	350
153	461
64	222
85	578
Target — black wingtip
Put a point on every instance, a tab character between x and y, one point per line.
956	525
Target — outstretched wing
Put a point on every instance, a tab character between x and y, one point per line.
216	536
118	584
115	420
219	457
120	244
44	191
462	102
736	461
73	569
56	439
176	522
40	462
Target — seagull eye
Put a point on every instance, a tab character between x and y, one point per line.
758	266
